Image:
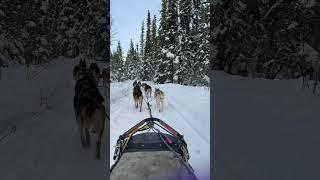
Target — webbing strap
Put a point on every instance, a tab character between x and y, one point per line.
127	139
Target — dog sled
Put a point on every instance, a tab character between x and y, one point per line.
141	155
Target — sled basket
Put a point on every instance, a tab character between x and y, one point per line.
151	141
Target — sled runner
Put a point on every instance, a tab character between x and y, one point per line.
151	155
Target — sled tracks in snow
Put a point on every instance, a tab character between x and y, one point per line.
188	123
10	129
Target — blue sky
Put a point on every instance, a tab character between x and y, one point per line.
126	19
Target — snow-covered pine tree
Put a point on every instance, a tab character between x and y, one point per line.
202	65
163	23
186	55
154	47
66	29
159	76
86	15
117	64
112	66
135	70
54	9
137	49
147	47
142	42
44	49
166	69
100	32
11	48
262	39
146	60
129	63
39	30
138	63
37	49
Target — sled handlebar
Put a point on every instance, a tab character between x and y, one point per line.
174	132
150	121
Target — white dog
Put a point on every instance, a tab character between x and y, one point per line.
159	95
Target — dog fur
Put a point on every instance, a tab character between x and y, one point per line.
95	71
147	89
80	70
134	83
105	76
159	96
137	95
89	110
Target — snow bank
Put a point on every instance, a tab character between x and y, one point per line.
265	129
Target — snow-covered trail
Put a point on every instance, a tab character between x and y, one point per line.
46	144
265	129
186	109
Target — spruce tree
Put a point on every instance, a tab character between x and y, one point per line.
117	64
99	30
165	71
154	41
202	53
147	47
129	63
269	34
186	51
154	47
137	49
142	43
163	23
159	76
146	71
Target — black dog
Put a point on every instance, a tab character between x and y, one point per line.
135	83
80	70
89	109
94	70
137	95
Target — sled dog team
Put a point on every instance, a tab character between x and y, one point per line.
138	96
88	103
80	70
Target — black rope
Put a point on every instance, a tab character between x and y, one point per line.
145	94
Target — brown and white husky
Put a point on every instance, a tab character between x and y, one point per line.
147	89
159	96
